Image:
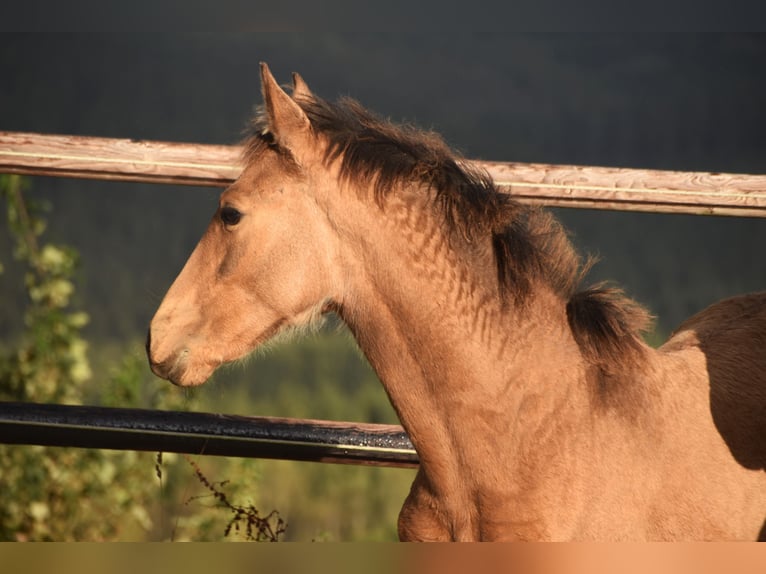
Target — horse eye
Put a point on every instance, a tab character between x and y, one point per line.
230	216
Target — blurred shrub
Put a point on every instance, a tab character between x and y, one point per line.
67	494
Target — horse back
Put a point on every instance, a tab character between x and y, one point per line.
732	337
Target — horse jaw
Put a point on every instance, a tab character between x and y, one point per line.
190	364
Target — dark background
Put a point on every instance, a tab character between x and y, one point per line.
682	101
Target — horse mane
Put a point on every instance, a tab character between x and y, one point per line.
529	244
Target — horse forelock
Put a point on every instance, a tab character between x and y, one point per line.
530	246
259	139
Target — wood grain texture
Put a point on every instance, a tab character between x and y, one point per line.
552	185
118	159
633	189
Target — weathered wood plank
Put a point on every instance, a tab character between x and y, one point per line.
553	185
635	189
118	159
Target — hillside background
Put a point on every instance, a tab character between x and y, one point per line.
663	101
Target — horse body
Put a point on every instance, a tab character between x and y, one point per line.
513	448
536	410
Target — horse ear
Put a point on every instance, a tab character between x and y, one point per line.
286	119
301	88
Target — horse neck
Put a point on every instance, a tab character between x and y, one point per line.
451	355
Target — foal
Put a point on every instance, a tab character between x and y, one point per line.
537	411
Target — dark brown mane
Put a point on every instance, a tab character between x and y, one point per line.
529	244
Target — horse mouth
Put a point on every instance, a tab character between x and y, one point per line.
182	376
178	370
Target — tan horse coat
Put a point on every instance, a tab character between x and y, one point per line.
537	411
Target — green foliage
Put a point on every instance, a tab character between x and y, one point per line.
51	360
67	494
49	492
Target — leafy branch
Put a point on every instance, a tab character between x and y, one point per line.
51	361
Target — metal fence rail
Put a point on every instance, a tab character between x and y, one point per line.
205	433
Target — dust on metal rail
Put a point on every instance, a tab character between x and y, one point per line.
205	434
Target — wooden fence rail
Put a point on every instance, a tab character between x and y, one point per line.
553	185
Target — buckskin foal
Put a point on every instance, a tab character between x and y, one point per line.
536	409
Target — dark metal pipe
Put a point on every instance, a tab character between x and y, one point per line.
205	433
